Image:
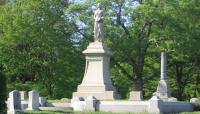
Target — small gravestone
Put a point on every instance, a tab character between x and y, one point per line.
78	103
155	105
196	103
90	104
135	96
42	101
14	103
194	100
23	95
33	101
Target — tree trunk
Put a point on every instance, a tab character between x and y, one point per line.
179	76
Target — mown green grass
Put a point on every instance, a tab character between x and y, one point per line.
69	112
47	112
191	112
64	100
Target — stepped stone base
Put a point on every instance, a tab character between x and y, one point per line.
97	81
106	95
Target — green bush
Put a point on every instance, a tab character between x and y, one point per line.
2	93
28	86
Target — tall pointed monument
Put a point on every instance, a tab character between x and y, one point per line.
97	81
163	89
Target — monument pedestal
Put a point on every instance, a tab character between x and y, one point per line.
163	90
96	81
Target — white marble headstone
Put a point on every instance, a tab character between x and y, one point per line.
14	102
42	101
22	95
33	102
135	95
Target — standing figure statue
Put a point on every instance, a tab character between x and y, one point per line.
98	24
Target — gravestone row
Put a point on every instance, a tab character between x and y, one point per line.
16	101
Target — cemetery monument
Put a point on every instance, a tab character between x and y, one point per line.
97	81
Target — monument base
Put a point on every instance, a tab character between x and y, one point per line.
97	81
106	95
163	90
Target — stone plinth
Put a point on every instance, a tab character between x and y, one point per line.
96	81
135	96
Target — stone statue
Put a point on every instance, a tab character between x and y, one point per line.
98	24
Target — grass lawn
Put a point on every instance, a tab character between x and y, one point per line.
69	112
64	100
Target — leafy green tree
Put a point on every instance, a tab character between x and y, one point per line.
36	46
137	31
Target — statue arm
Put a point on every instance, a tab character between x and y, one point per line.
101	18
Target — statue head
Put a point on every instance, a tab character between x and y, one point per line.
99	5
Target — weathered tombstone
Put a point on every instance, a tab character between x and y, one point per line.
74	99
196	103
24	104
194	100
23	95
33	102
155	105
14	103
78	104
90	104
42	101
135	95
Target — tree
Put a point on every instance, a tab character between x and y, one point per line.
137	31
36	46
